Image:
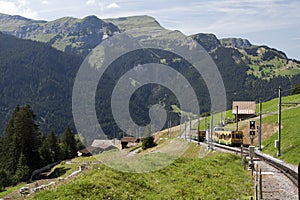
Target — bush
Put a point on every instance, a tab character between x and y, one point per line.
4	179
148	142
295	89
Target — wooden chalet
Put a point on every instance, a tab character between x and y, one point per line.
97	147
244	109
129	141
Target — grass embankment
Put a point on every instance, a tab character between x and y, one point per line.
11	189
217	176
290	118
290	138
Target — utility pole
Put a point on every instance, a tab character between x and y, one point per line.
185	128
179	135
205	126
198	130
169	127
279	122
236	118
211	130
221	121
190	130
260	125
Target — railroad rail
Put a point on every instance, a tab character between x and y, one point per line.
289	171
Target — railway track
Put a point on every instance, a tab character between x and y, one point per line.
277	179
290	172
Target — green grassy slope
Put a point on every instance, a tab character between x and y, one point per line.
134	22
290	136
218	176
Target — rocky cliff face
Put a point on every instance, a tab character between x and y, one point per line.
236	43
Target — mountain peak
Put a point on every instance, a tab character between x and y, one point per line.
134	22
235	43
91	18
208	40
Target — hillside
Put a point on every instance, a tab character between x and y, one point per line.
34	73
218	175
249	72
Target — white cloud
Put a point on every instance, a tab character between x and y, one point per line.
23	3
8	7
113	5
21	8
90	2
45	2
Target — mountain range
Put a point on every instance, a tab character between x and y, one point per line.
39	61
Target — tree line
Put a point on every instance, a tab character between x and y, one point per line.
24	148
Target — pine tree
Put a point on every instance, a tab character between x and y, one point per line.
69	141
10	155
52	143
19	139
22	171
44	151
4	179
26	131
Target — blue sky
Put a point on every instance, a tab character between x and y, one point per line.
275	23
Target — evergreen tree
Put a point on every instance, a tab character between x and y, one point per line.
52	143
79	142
4	179
44	151
22	171
19	139
26	131
295	89
69	143
9	158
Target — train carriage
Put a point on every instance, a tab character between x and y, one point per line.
199	136
231	138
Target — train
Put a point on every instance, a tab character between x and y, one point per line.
230	138
199	136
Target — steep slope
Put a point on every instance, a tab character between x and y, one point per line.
36	74
12	23
263	62
66	34
250	71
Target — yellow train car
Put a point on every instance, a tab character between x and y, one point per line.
231	138
199	136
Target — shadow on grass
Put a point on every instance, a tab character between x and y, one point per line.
58	172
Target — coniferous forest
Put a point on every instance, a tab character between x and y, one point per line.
24	148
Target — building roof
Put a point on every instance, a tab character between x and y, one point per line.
129	139
102	144
244	107
88	150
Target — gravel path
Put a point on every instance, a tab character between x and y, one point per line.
275	185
